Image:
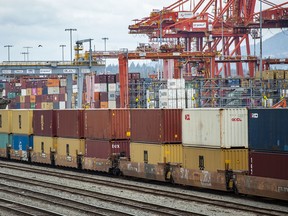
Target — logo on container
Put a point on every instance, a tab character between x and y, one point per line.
187	117
114	146
236	120
254	115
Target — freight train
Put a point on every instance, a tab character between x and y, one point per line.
229	149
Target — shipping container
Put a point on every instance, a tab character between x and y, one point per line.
106	124
156	125
43	146
5	140
70	123
44	123
268	164
267	129
107	149
67	151
21	144
22	122
53	83
5	121
215	128
155	153
212	159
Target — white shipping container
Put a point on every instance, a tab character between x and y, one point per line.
191	93
180	83
216	128
163	104
172	94
63	82
62	105
163	93
151	104
172	104
55	90
171	83
111	96
97	87
111	104
23	92
112	87
191	103
103	87
180	93
181	103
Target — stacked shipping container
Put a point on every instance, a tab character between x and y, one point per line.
5	131
268	143
156	136
215	139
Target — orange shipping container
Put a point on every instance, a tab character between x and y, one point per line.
53	83
103	105
33	99
39	91
96	96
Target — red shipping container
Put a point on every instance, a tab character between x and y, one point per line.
156	125
109	124
103	96
62	97
268	164
55	98
105	149
111	78
70	123
38	105
44	122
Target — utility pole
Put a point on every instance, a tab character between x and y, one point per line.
71	30
8	47
62	46
27	47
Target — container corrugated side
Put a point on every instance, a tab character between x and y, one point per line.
70	123
106	124
5	121
22	142
156	125
268	164
44	123
5	140
22	122
155	153
216	128
213	159
267	131
42	149
106	149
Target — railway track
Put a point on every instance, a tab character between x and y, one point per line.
9	207
157	192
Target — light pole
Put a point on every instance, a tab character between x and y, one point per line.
105	39
70	30
27	47
8	47
24	53
62	46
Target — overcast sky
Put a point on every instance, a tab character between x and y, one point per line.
43	22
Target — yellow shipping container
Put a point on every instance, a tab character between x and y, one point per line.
22	121
47	105
42	147
286	74
5	121
156	153
29	91
22	99
67	151
103	105
215	159
279	74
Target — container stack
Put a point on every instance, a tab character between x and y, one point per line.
107	133
5	131
215	139
45	141
70	137
156	136
268	143
22	130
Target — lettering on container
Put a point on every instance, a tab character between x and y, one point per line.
236	120
282	189
187	117
205	179
115	146
254	115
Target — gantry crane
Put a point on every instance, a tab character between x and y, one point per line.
219	26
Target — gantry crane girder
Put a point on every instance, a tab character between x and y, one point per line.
213	26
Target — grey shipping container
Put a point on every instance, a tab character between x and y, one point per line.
267	129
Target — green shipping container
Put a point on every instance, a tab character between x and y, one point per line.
11	95
32	105
5	139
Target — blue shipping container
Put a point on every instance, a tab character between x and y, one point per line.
267	129
22	142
